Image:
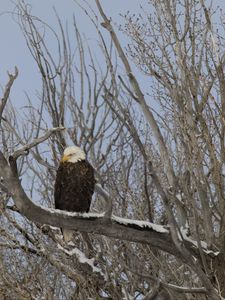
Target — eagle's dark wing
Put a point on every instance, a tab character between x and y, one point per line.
58	186
74	186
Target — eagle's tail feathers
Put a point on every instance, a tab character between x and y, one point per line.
67	235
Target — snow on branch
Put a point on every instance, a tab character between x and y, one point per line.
141	224
194	243
83	259
80	215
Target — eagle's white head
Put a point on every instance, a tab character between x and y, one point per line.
73	154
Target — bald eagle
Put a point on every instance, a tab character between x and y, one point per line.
74	185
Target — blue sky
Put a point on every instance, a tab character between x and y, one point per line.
13	51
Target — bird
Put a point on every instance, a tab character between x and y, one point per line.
74	184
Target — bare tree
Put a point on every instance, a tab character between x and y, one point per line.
157	220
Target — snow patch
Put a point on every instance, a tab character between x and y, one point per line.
179	197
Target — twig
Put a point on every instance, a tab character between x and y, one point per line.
127	88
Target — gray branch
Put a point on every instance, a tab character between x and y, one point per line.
93	224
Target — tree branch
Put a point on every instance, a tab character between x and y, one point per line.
6	94
35	142
96	224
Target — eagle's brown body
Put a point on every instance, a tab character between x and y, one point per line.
74	186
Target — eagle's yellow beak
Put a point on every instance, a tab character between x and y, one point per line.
65	158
